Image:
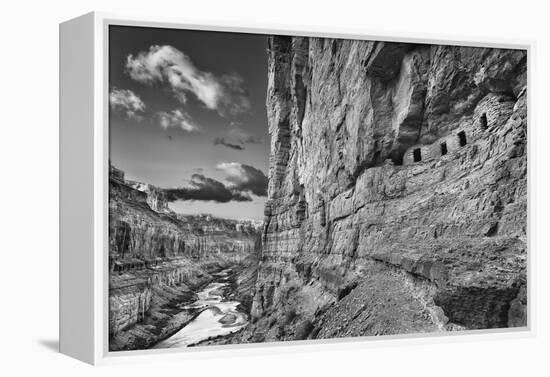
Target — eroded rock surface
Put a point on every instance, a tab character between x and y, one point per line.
158	260
397	192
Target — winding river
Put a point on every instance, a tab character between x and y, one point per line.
217	317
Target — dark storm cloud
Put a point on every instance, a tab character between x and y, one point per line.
222	141
205	189
167	65
244	178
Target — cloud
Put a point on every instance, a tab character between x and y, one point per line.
222	141
241	181
167	65
243	177
235	131
126	102
205	189
237	137
177	118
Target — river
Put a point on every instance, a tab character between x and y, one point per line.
218	317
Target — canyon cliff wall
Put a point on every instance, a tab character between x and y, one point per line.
158	258
397	193
142	227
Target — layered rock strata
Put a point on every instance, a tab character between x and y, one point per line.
158	259
397	193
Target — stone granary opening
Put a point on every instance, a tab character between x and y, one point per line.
462	138
376	157
417	156
443	148
483	121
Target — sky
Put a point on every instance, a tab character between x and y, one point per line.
187	114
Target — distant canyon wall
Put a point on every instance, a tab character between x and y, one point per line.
157	256
141	226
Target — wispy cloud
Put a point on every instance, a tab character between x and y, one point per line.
237	137
126	102
177	118
244	178
222	141
165	64
236	131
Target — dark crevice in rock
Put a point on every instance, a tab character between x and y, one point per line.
477	308
385	61
346	290
492	230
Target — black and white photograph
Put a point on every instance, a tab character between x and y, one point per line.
272	188
275	189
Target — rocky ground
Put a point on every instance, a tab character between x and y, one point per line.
164	315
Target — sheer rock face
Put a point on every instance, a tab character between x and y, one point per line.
156	199
397	193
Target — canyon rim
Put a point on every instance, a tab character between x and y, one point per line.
277	188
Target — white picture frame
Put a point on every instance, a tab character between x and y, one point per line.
84	180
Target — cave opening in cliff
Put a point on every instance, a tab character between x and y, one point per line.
462	138
443	148
417	155
483	121
397	157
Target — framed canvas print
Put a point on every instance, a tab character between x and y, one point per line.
227	189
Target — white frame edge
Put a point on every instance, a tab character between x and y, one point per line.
76	239
84	280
